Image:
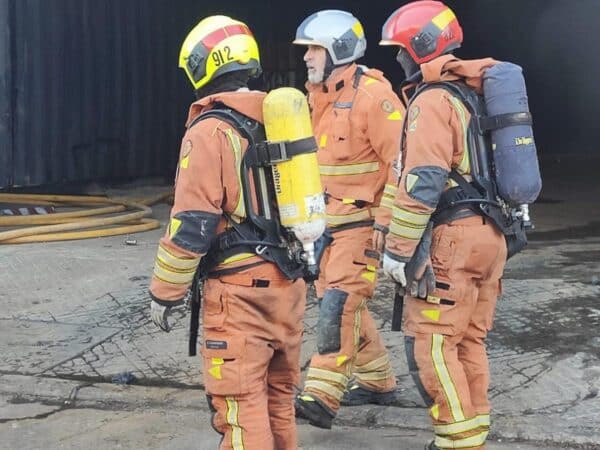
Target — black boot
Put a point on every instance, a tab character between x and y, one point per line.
357	395
313	410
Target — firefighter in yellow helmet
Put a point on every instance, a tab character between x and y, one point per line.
357	121
253	297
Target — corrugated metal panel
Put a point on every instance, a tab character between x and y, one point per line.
5	95
98	92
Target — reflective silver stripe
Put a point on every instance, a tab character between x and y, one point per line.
449	429
327	375
356	336
169	276
464	166
375	375
390	189
387	202
443	375
334	220
237	440
409	217
405	231
349	169
473	441
324	387
382	361
177	263
236	145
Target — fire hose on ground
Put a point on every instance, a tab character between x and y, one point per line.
118	216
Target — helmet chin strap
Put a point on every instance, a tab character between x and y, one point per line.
328	67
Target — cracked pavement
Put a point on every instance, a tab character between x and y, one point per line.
74	315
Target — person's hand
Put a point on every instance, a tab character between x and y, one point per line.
159	314
395	270
420	278
420	283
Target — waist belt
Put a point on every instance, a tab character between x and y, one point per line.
244	279
351	225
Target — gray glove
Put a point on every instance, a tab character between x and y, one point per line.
159	314
420	279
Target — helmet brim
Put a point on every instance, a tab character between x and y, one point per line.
306	42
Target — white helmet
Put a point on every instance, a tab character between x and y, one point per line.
339	32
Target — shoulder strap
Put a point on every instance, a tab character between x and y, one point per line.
248	127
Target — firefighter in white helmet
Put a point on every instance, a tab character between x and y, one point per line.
357	121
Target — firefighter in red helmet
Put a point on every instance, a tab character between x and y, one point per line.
447	318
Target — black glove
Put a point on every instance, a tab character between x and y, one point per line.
420	279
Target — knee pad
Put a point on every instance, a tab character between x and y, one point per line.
330	321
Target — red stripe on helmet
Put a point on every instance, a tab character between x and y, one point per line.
212	39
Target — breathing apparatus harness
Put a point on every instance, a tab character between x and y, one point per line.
479	196
261	232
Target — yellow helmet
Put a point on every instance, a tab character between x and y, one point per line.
217	45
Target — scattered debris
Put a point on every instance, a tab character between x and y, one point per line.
124	378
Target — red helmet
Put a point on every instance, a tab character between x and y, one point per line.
427	29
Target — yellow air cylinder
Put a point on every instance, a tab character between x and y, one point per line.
297	181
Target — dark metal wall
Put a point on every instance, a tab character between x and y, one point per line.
92	96
91	89
5	96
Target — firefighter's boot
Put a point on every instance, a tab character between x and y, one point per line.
311	409
357	395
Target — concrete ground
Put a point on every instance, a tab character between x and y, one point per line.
74	314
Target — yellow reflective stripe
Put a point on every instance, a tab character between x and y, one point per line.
349	169
473	441
358	29
233	410
238	257
164	274
236	145
369	275
435	411
327	375
431	314
387	202
356	336
382	361
461	427
411	179
406	231
443	375
408	217
464	166
324	387
334	220
443	19
390	189
173	269
396	115
375	376
174	226
339	360
169	259
323	141
185	162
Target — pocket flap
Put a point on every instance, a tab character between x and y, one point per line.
367	257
